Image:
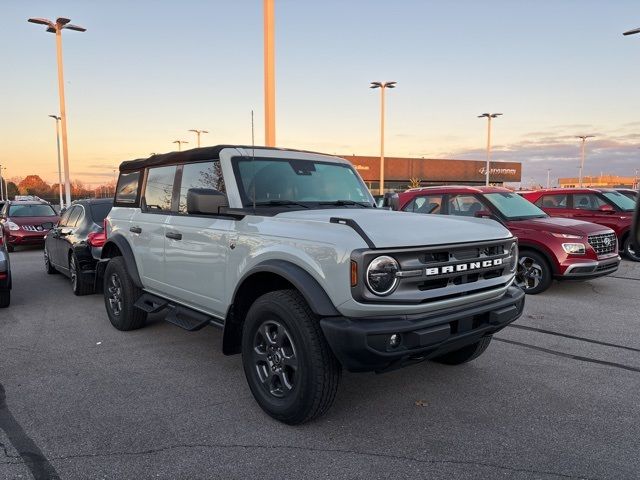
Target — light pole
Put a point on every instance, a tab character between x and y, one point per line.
382	86
180	142
269	74
584	139
548	177
2	194
57	119
57	27
489	117
198	133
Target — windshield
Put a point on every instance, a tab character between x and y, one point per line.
513	207
305	183
31	210
621	201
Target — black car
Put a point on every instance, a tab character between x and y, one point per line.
5	273
74	245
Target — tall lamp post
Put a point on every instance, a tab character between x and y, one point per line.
180	142
382	86
57	119
489	116
57	27
269	74
584	139
548	177
198	133
2	192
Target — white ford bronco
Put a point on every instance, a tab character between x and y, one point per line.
286	251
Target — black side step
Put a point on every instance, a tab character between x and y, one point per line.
150	303
186	318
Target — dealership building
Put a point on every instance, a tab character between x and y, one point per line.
607	181
401	172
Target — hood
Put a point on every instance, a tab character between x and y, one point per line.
560	225
389	229
34	220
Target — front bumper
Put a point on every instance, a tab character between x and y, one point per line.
586	269
362	344
19	237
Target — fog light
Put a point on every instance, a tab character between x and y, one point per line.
395	340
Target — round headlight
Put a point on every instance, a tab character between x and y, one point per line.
381	275
513	253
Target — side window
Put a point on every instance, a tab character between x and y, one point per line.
552	201
587	201
200	175
73	216
127	189
64	220
465	205
425	204
159	189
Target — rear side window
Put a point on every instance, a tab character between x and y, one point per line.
424	204
158	191
74	215
465	205
200	175
587	201
127	189
552	201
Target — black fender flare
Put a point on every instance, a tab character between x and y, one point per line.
127	254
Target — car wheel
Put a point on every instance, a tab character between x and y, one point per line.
534	273
10	248
630	250
120	294
78	283
465	354
5	297
289	366
48	267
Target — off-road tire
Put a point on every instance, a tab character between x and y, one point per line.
79	284
542	264
127	317
465	354
318	372
5	297
48	266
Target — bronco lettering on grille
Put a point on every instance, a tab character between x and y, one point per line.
461	267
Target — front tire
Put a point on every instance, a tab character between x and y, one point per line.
120	294
630	250
5	297
465	354
534	273
289	366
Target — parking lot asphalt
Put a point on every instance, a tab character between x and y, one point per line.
555	396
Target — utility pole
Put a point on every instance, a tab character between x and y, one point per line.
548	177
584	139
269	74
489	116
57	119
382	86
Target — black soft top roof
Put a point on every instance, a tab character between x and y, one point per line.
192	155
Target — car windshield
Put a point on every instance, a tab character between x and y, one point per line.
299	183
621	201
513	207
31	210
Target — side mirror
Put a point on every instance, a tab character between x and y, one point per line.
635	228
606	209
391	201
483	214
205	201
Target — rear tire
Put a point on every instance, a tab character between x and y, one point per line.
288	363
78	283
5	297
10	248
120	294
465	354
534	273
630	250
48	267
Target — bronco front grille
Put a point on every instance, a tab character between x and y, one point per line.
603	243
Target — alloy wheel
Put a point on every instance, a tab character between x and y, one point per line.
73	273
275	359
529	274
47	262
114	294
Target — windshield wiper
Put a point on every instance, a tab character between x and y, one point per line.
343	203
277	203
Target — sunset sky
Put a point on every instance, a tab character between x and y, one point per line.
147	71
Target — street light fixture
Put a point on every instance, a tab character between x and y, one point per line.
584	139
57	119
632	32
489	116
382	86
57	27
198	133
180	142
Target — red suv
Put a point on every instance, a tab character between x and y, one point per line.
549	247
604	206
26	222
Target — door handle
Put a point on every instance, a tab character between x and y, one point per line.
135	229
173	235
